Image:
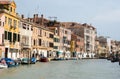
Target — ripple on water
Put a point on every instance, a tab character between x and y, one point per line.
71	69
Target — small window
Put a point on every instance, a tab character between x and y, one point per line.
10	9
3	23
0	23
6	33
5	20
14	10
31	28
27	27
18	37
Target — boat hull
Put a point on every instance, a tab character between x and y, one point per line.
44	59
2	66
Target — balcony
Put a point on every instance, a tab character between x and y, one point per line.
25	45
6	42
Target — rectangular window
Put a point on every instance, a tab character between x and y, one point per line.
6	35
31	28
18	23
50	44
14	10
51	36
55	47
65	32
40	32
87	31
10	36
39	42
45	33
24	26
0	23
3	23
5	20
14	37
9	21
27	27
34	42
18	37
15	24
56	31
3	36
10	9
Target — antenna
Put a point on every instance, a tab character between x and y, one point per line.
28	15
53	18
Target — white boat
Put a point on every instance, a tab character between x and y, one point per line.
2	66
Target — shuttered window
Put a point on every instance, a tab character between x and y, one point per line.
10	36
6	35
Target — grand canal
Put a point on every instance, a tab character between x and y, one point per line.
71	69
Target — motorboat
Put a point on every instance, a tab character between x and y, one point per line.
2	66
28	61
25	61
58	59
10	62
33	60
44	59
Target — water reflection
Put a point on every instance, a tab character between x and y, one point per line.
72	69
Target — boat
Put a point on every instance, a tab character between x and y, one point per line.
10	62
33	60
58	59
28	61
25	61
44	59
3	64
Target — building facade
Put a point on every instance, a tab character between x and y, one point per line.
2	48
26	31
11	29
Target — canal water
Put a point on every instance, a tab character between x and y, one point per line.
71	69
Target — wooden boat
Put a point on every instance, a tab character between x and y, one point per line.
44	59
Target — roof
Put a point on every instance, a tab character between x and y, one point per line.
1	15
5	2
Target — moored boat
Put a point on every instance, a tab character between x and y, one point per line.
2	66
10	62
58	59
28	61
25	61
33	60
44	59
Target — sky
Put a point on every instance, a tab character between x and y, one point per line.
104	15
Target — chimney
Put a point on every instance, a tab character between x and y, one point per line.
29	19
35	18
42	20
22	16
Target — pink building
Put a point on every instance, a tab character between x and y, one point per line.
2	48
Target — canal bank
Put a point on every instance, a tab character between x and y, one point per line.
71	69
